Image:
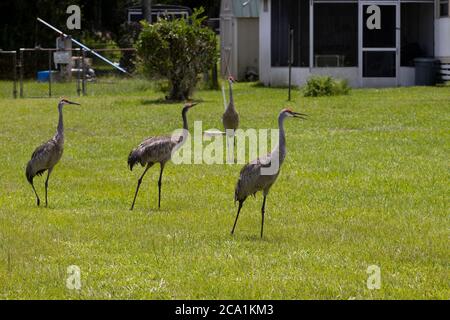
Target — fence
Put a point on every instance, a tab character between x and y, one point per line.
34	71
9	65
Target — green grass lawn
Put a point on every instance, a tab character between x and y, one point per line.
365	182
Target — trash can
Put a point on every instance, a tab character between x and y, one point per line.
426	71
43	76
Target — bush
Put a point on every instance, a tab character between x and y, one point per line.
177	50
318	86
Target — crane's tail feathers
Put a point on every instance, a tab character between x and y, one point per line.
237	191
132	159
29	174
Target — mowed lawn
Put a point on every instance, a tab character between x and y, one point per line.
365	182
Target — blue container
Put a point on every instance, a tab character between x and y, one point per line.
43	76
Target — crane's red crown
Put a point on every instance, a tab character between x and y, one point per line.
190	104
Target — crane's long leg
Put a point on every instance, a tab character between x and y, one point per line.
37	197
46	185
139	184
237	216
230	147
263	210
159	185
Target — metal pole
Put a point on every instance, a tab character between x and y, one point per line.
83	83
15	75
291	55
21	72
79	74
50	74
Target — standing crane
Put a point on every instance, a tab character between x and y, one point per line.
46	156
157	150
230	117
252	180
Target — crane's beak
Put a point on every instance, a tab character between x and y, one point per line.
70	102
299	115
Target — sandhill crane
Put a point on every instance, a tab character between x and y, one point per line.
251	179
157	150
46	156
230	117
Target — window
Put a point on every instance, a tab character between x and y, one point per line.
287	15
443	8
335	34
384	37
379	64
416	32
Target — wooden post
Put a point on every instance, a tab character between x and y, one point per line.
15	75
215	80
21	72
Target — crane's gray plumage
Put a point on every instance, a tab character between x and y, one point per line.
47	155
157	150
152	150
230	118
251	180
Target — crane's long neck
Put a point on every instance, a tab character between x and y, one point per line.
60	128
183	115
231	104
185	125
280	149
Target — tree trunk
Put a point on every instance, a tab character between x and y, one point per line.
176	92
147	10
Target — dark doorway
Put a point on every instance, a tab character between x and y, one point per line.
379	42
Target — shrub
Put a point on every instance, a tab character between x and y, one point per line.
318	86
177	50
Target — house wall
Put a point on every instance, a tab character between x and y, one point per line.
274	76
278	76
442	39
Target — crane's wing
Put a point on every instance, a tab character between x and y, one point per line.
45	151
157	147
250	181
43	158
152	150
